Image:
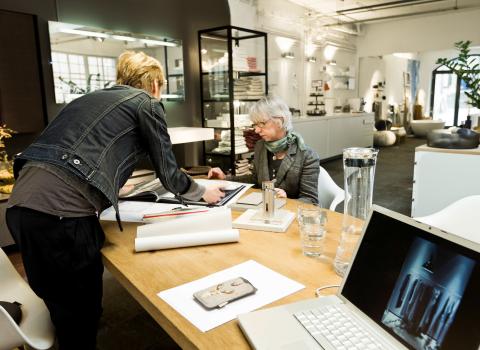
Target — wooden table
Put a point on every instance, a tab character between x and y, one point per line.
145	274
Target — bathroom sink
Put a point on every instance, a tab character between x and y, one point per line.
461	139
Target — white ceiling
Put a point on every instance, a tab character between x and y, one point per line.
330	11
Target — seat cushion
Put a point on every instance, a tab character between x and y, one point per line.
14	310
384	138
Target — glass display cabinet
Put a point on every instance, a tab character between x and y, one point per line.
233	68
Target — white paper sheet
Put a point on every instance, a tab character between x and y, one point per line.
212	220
186	239
270	284
132	211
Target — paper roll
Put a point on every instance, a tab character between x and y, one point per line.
186	240
216	219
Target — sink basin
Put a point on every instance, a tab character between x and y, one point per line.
462	139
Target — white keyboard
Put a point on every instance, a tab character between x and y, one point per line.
340	329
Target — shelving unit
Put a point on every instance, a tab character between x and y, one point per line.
319	106
233	69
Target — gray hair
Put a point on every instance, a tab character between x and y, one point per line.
270	107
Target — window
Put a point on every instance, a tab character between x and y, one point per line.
75	75
448	100
101	72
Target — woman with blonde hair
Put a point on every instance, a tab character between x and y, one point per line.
71	173
280	155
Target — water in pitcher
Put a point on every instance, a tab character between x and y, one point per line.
359	172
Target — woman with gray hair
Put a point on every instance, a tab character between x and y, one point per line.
280	155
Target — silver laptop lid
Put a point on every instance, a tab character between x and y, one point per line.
419	284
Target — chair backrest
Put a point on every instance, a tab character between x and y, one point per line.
329	193
459	218
36	328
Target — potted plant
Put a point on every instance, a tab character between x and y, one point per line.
6	169
467	67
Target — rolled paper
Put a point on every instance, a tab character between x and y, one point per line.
186	239
213	220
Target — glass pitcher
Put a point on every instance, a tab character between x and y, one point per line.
359	172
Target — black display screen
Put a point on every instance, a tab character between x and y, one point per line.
422	289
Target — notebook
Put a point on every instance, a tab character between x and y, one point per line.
153	191
410	286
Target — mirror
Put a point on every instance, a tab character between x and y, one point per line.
84	59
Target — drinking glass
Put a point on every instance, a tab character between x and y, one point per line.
312	220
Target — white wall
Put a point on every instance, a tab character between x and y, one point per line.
394	69
371	71
417	34
243	13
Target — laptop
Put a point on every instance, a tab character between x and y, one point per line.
410	286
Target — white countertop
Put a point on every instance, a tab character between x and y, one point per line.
305	118
425	148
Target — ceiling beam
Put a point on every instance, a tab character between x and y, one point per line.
395	16
386	5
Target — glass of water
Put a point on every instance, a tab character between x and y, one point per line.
312	221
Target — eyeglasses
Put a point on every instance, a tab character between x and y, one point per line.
261	125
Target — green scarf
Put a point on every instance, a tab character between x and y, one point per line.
285	142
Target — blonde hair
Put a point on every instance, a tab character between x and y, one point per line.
139	70
271	107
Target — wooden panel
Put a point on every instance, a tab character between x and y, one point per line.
21	105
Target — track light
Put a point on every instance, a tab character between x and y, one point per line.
290	55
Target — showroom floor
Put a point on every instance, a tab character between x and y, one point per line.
393	175
126	325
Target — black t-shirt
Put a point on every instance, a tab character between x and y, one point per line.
273	165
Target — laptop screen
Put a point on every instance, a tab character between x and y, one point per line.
422	289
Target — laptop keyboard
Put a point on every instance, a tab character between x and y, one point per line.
334	324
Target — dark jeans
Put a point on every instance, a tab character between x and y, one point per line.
64	267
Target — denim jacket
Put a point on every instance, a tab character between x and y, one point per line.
100	137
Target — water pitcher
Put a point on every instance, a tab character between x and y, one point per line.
359	172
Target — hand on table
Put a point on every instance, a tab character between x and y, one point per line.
280	193
213	194
125	189
216	173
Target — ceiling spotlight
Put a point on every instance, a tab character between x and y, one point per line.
290	55
312	59
332	63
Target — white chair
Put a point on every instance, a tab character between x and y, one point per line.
329	194
35	329
459	218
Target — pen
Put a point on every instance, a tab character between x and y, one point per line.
173	213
